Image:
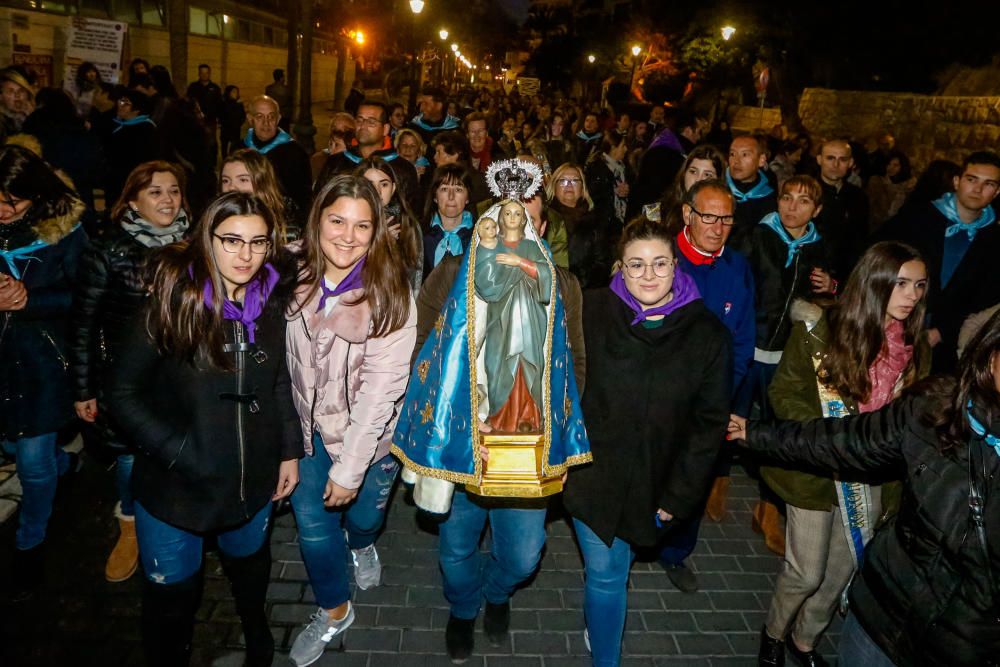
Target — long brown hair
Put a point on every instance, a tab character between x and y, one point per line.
179	322
675	195
384	276
857	321
139	180
410	234
265	183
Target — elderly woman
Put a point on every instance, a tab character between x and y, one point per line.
571	217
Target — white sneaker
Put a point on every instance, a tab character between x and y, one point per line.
311	642
586	639
367	567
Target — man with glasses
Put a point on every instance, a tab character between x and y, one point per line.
372	140
289	159
725	282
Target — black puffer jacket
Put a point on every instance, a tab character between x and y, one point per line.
35	395
109	292
923	593
210	441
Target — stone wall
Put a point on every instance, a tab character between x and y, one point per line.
926	127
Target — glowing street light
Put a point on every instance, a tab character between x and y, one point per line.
359	37
416	6
728	32
591	58
636	50
443	34
454	48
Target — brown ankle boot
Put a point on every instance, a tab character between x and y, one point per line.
767	520
124	558
715	508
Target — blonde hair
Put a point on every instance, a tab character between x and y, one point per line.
407	132
550	187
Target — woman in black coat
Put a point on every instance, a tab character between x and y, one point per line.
216	432
234	114
927	593
110	290
40	242
656	408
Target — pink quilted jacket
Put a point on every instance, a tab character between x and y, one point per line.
347	386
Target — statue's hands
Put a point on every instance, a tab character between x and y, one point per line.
484	453
508	259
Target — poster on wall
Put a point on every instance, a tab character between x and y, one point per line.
37	64
95	41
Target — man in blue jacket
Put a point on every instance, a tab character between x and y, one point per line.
725	282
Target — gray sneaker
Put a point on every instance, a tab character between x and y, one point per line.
367	567
311	642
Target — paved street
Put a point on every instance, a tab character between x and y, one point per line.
79	619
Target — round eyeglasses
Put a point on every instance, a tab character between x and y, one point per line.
661	268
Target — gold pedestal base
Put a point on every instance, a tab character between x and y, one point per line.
514	469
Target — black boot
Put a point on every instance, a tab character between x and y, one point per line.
772	651
168	612
27	571
249	577
460	638
496	622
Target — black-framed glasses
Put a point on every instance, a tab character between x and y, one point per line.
637	269
234	244
711	218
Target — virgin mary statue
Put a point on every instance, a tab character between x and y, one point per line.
498	360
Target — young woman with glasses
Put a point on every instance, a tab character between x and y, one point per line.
656	407
216	432
351	334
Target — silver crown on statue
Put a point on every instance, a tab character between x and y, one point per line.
514	179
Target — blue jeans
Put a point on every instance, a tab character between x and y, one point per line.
605	593
518	536
170	555
321	529
123	483
857	648
40	461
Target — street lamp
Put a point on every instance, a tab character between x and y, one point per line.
727	32
454	48
416	6
443	34
591	58
636	50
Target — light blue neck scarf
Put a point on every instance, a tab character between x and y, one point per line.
281	138
759	191
138	120
980	430
773	221
946	205
451	244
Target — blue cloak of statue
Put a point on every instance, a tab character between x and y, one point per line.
438	425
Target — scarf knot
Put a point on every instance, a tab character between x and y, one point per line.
684	290
760	190
947	206
451	244
773	221
255	297
351	281
979	429
888	368
280	138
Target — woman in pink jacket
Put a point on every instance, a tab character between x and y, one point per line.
350	338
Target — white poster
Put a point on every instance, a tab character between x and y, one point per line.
95	41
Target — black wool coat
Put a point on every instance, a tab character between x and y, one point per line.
209	441
656	407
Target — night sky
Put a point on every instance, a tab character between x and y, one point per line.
518	9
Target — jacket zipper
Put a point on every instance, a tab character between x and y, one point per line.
788	301
240	382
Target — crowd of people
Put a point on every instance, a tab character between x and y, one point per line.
835	298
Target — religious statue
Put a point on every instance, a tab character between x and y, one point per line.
496	374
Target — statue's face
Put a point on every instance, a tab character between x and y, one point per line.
488	229
512	217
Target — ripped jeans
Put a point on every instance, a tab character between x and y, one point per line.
170	555
322	529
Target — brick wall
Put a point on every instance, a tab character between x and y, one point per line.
926	127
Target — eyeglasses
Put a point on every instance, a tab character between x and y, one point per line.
370	122
234	244
661	268
567	182
710	218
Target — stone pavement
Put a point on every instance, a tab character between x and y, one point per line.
80	619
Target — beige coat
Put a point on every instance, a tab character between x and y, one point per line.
346	385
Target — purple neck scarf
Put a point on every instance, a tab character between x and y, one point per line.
351	281
684	291
254	298
668	139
